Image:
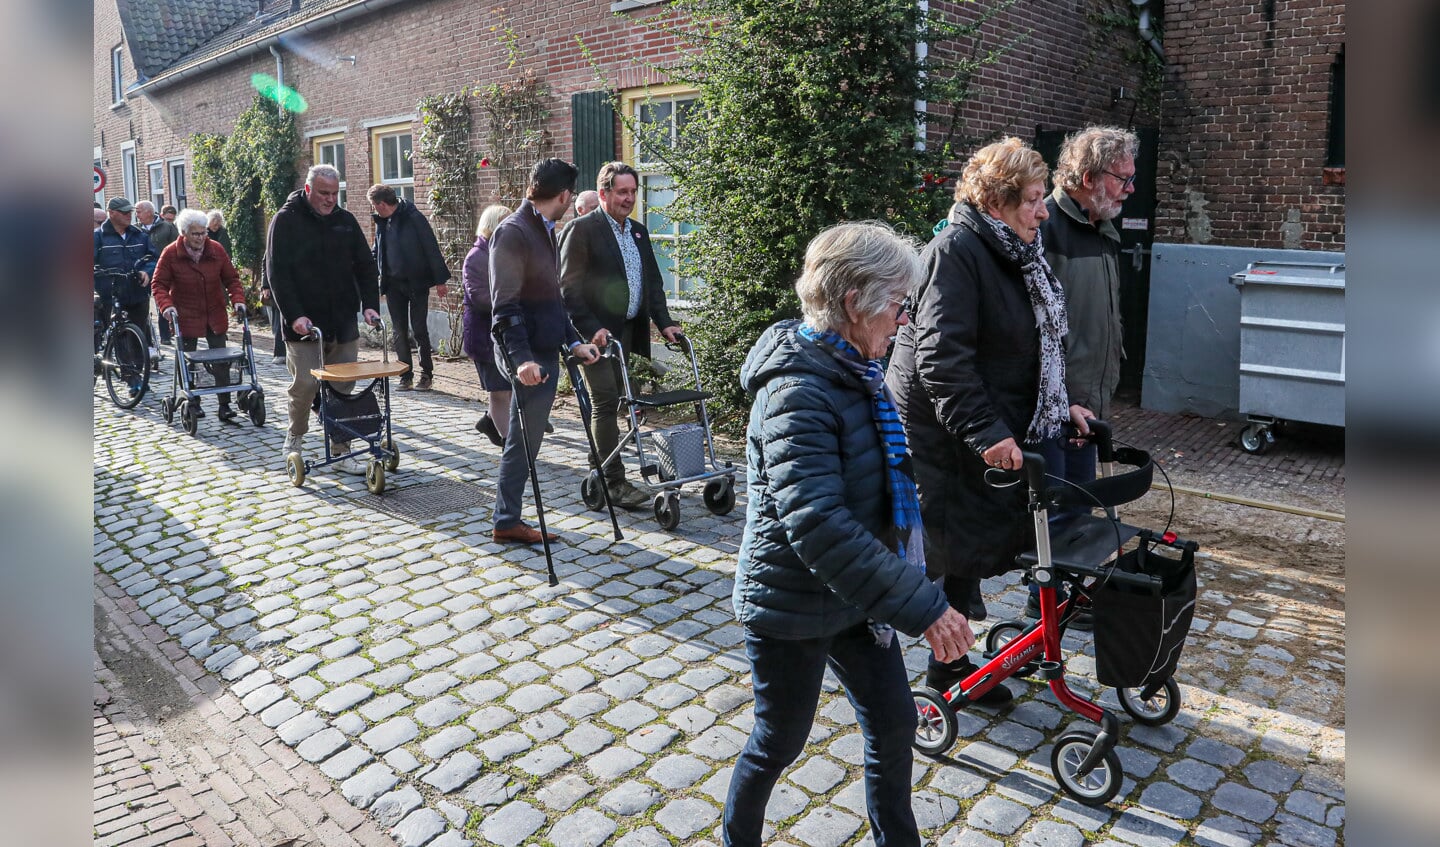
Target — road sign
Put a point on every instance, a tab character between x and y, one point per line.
99	179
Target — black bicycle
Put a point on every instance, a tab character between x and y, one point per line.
121	353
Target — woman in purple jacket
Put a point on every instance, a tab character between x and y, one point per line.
478	346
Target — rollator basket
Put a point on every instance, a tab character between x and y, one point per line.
358	413
1139	634
681	451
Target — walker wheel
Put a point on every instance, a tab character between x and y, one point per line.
1257	439
592	491
392	461
667	509
188	418
295	469
935	723
1095	788
1002	633
1160	709
719	495
375	476
257	407
167	409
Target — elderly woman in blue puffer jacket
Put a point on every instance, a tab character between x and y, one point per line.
832	561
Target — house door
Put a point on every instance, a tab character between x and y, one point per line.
1136	225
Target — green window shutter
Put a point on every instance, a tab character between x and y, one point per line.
592	130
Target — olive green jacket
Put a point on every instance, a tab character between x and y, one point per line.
1086	259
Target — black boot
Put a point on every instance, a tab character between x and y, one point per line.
977	603
941	677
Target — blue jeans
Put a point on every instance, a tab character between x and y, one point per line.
534	402
787	676
1072	463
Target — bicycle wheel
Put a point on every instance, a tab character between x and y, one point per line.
127	366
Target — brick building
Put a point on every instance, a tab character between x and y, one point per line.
166	69
1252	140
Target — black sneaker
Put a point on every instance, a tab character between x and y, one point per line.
486	427
227	414
425	383
941	676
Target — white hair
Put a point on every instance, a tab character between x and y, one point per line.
322	171
146	205
491	218
867	257
189	218
216	216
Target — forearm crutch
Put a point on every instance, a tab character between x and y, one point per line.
497	332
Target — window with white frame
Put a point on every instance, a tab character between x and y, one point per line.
659	116
117	75
177	183
392	147
330	150
130	178
156	171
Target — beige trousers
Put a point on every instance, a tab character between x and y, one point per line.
300	358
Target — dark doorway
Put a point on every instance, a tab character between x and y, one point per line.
1137	232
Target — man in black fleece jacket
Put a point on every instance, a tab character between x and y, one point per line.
321	273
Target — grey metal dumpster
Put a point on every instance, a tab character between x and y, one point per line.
1292	347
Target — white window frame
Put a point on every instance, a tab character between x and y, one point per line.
177	199
318	143
379	134
129	171
632	101
157	187
117	75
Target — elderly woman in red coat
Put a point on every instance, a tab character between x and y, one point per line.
194	283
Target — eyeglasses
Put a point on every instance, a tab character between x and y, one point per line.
903	307
1125	181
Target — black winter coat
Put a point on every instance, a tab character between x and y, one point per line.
412	249
817	558
525	289
320	268
966	375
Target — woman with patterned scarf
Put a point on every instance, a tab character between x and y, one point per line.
978	372
833	560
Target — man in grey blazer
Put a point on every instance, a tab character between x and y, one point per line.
612	287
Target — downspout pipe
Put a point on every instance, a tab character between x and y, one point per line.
279	78
1145	30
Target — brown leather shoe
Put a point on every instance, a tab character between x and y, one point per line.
520	534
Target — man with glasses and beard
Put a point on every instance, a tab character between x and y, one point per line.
1094	175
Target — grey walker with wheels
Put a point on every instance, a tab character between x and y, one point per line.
195	378
682	454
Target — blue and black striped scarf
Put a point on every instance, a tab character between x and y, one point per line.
904	504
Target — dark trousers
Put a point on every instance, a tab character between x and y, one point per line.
221	372
787	676
408	311
166	333
603	381
534	402
1071	463
277	329
139	312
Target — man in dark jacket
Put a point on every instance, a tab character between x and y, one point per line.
1094	175
410	264
321	272
162	234
530	315
122	246
612	287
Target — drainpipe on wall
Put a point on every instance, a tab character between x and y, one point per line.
280	78
1144	30
922	53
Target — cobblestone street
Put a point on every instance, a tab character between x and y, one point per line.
381	672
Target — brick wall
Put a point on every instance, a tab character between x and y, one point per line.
1245	124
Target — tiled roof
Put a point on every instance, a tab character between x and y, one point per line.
170	34
161	31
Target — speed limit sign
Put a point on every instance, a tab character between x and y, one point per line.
99	179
